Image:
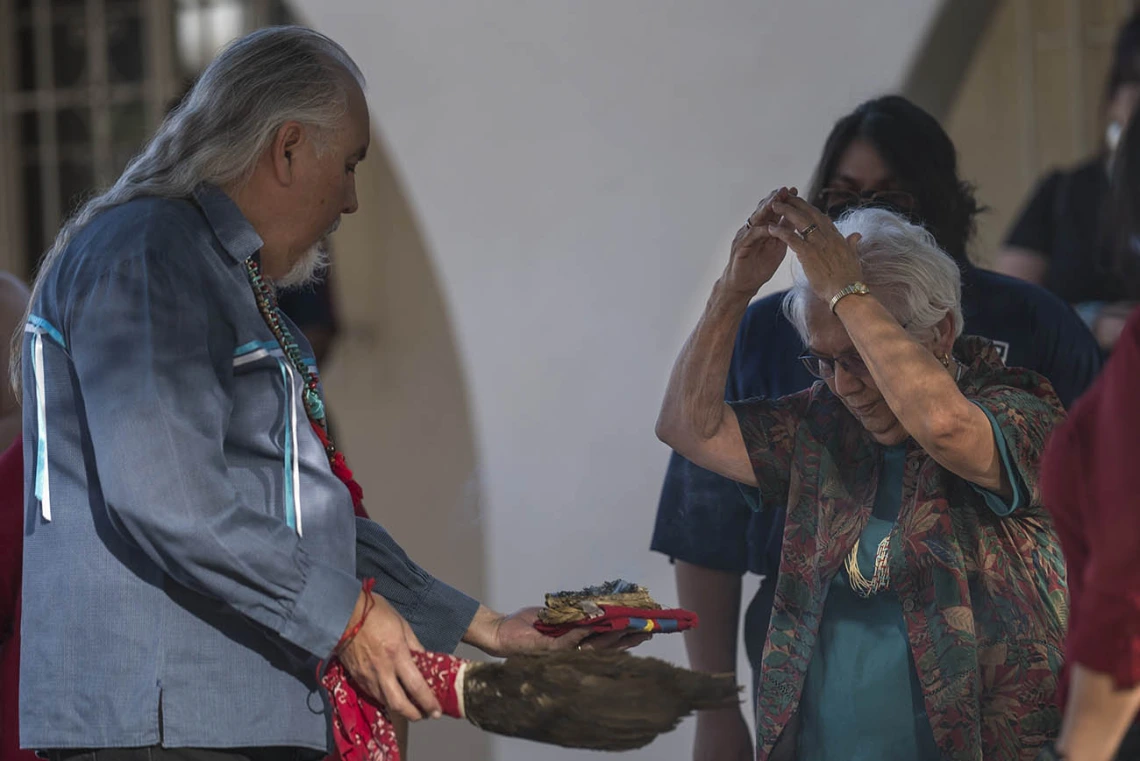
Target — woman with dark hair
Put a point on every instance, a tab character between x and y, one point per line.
912	147
887	153
1089	487
1056	241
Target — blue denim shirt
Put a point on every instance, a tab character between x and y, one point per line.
189	555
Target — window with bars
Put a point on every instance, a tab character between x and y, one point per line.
82	85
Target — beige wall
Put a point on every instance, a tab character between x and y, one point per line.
399	405
1031	100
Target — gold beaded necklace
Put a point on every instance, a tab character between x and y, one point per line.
879	580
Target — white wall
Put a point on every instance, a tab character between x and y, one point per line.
577	168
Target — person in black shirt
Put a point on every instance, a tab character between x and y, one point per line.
1058	241
888	153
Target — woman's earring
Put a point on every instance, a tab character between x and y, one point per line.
945	360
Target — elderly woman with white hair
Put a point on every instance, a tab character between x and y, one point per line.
920	603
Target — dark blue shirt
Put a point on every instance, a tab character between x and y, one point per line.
310	306
705	519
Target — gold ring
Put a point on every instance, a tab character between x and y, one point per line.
808	230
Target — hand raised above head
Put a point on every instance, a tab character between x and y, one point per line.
830	261
756	253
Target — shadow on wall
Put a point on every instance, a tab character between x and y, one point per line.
399	405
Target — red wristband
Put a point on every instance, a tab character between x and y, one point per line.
366	587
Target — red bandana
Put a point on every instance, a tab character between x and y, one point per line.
361	727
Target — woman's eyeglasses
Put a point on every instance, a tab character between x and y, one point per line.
824	367
835	201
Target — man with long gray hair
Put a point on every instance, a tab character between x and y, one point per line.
191	553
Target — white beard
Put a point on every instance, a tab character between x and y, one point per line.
309	269
312	265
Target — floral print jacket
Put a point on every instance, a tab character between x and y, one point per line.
983	596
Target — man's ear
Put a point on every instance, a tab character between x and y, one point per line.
283	151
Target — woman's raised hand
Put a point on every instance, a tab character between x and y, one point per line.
756	252
829	260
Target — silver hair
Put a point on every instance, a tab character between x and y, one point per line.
917	282
223	126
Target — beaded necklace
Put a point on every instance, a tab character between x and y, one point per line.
879	580
314	406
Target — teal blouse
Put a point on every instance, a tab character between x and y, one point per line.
862	700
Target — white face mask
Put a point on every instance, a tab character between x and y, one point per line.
1112	135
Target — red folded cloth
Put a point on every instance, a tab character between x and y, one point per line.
362	730
616	618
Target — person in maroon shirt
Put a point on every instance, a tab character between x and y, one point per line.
13	301
11	554
1090	486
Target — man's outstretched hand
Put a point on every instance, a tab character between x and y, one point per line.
501	635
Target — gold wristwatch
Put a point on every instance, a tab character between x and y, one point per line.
856	288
